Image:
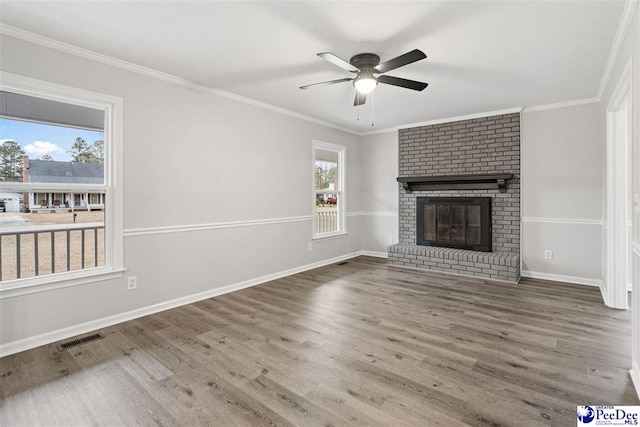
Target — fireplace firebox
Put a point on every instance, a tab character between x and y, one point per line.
454	222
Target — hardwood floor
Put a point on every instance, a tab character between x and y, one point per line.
354	344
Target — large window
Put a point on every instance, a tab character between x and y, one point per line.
328	189
60	186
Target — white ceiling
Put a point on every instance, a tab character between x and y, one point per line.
481	55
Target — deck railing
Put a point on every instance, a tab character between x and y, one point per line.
326	222
37	250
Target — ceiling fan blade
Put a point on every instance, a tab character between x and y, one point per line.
327	56
397	81
330	82
400	61
360	99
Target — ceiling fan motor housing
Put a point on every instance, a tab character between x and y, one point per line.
365	61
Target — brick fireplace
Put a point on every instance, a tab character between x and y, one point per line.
470	159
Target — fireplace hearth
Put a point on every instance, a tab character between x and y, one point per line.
454	222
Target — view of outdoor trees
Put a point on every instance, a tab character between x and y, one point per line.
325	174
82	152
11	161
11	157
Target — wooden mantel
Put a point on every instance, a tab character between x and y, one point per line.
456	182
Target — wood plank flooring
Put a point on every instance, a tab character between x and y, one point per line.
354	344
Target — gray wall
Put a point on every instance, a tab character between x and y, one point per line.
561	193
379	190
224	160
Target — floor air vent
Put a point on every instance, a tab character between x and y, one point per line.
342	263
69	344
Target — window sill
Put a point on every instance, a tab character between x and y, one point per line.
16	288
325	236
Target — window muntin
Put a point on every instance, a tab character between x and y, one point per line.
328	189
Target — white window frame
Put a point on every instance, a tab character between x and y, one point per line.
340	192
113	112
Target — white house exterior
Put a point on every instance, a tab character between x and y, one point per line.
52	171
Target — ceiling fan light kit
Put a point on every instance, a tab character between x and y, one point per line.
365	84
369	72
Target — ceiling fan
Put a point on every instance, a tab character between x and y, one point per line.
369	72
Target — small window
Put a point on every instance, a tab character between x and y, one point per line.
328	189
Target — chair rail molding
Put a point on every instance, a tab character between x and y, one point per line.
578	221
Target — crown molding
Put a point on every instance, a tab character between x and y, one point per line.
149	72
460	118
444	120
623	28
565	104
379	131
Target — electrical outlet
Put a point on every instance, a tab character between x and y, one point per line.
548	254
309	247
391	240
132	283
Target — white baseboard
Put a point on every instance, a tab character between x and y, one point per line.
635	377
64	333
375	254
562	278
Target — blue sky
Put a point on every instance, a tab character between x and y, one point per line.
38	139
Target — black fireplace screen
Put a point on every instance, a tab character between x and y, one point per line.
454	222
